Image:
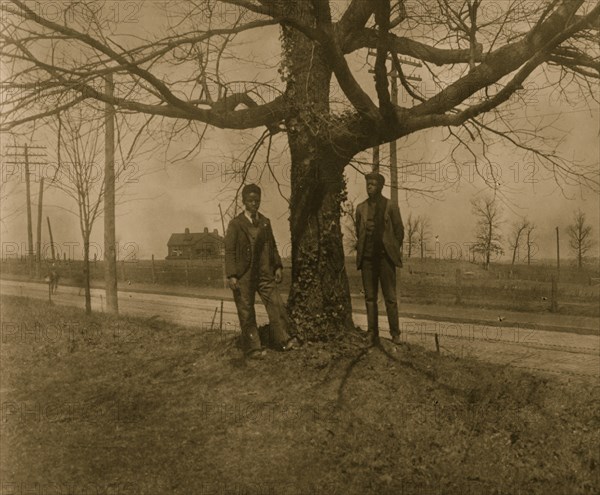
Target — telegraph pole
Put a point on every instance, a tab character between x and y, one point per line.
223	226
38	244
375	166
393	147
51	239
557	252
393	144
29	226
110	254
25	156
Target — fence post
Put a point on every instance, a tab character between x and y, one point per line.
213	319
187	273
221	318
153	271
554	296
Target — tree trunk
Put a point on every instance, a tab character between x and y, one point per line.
86	274
319	295
515	252
488	251
319	299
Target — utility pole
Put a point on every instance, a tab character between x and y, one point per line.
51	239
38	243
29	226
110	255
375	166
393	145
557	252
223	226
26	155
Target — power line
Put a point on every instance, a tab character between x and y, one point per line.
25	155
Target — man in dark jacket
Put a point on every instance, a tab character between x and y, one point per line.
380	234
253	264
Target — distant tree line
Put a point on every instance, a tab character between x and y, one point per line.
489	241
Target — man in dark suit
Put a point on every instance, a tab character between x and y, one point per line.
253	265
380	234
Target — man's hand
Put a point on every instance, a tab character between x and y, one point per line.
278	275
233	283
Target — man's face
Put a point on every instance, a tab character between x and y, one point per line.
252	202
373	187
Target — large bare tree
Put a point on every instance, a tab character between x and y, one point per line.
412	227
475	58
423	232
488	239
80	173
529	241
580	237
518	228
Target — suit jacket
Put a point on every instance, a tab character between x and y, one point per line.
238	247
393	231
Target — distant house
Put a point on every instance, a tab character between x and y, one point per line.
195	245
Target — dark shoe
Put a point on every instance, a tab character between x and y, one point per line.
396	339
291	344
372	338
256	354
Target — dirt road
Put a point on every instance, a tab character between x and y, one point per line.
567	355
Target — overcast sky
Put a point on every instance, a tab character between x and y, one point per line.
171	196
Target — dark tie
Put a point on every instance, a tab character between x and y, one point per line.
255	220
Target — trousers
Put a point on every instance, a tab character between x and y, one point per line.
244	299
375	271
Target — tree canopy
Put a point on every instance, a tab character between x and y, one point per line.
479	54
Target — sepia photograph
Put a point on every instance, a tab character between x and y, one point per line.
299	247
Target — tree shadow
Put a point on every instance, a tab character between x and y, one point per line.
429	374
346	376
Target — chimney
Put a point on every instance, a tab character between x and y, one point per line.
187	231
216	232
206	230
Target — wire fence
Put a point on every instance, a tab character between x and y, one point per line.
527	288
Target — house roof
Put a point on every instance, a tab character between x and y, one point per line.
182	239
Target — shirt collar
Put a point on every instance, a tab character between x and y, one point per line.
374	200
248	216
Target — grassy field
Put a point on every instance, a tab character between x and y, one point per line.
106	405
427	281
